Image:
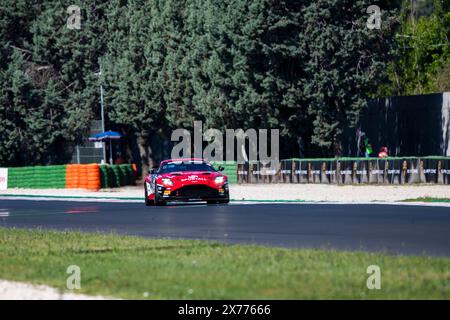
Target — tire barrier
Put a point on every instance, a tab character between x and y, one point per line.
48	177
114	176
230	170
72	176
83	176
410	170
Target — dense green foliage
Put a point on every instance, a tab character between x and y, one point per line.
305	67
423	50
47	86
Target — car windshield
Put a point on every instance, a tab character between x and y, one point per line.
185	166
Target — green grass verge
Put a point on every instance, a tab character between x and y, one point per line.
126	267
427	199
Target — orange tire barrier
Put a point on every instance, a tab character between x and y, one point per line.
71	176
83	176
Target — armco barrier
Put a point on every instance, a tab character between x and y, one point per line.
407	170
444	171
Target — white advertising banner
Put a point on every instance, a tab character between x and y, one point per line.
3	178
98	145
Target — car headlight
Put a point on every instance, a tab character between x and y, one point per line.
219	180
167	182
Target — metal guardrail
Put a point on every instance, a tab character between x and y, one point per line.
406	170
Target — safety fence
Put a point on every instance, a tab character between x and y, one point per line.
327	171
72	176
349	171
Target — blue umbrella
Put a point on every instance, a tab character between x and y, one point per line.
106	136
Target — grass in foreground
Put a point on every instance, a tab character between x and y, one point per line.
128	267
427	199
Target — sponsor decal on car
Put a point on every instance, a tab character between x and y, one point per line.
193	178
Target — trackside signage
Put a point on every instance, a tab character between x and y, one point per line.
3	178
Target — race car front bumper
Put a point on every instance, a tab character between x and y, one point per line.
193	193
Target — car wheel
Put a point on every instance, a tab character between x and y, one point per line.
159	202
224	201
211	202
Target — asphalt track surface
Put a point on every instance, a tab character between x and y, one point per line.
404	229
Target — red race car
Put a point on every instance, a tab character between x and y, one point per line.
186	180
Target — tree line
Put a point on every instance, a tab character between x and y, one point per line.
305	67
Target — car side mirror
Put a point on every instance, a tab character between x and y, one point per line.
221	168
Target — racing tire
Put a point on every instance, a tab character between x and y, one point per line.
158	202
